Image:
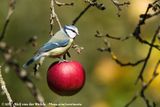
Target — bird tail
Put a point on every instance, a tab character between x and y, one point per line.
33	59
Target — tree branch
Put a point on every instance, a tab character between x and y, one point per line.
7	20
81	13
63	4
99	35
119	5
23	75
4	89
140	77
132	100
53	16
91	3
109	49
144	88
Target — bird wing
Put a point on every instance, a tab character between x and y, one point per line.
52	45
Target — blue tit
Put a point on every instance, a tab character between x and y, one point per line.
57	46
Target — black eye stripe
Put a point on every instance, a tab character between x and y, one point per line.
66	28
71	30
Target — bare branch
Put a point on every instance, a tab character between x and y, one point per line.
8	55
99	35
77	48
32	40
144	88
108	49
63	4
145	60
137	30
142	20
7	20
119	38
132	100
96	4
81	13
144	17
147	43
4	89
53	16
23	75
91	3
137	34
140	77
120	5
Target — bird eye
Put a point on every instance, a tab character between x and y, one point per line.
73	31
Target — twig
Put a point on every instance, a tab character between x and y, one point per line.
7	20
99	35
108	49
156	1
140	76
53	16
137	30
8	55
137	35
144	88
148	16
145	60
96	4
119	38
147	43
119	5
22	74
63	4
4	89
91	3
32	40
132	100
77	48
81	13
142	20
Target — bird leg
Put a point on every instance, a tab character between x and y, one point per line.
62	59
66	54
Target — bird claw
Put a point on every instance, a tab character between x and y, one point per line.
62	60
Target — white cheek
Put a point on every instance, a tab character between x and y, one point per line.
71	34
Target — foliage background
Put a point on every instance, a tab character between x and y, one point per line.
107	84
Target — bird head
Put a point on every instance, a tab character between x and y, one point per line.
71	31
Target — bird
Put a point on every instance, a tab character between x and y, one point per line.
57	46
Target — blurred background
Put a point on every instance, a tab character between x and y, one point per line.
107	83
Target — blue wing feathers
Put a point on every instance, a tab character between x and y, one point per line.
46	47
51	45
30	61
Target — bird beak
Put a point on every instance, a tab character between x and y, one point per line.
77	33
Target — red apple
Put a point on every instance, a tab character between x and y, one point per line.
66	78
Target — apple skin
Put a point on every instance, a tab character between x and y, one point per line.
66	78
